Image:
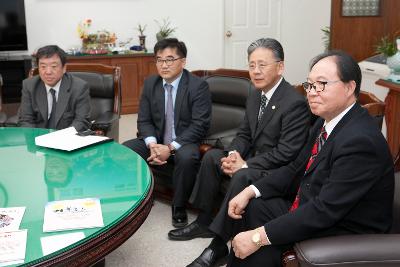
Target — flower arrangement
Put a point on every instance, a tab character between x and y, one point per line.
83	28
95	43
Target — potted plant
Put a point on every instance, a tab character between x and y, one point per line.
165	29
390	48
142	37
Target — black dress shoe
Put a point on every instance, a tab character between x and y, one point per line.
179	217
189	232
210	257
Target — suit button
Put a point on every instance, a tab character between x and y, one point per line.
307	185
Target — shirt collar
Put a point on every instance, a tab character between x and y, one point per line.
175	83
55	87
272	90
331	125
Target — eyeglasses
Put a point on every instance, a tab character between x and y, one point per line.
261	66
318	86
168	61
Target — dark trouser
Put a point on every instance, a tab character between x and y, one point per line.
182	167
258	212
208	181
222	224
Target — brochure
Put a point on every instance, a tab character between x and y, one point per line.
72	214
10	218
12	247
53	243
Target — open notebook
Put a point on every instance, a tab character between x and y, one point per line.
68	140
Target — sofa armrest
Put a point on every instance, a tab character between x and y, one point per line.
220	140
3	118
104	121
350	250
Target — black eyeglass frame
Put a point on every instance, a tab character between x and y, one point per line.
168	61
318	86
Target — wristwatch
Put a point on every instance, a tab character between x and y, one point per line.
256	238
171	149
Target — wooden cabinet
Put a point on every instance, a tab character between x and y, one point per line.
392	114
134	69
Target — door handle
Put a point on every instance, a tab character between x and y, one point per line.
228	34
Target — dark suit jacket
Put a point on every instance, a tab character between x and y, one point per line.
347	189
192	110
282	132
73	104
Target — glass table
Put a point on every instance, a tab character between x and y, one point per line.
31	176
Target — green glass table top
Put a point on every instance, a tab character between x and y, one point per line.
31	176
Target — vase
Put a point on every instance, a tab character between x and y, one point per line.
142	42
160	36
393	63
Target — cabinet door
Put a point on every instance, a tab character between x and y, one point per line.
130	68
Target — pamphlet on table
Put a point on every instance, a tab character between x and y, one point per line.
72	214
53	243
10	218
13	247
68	139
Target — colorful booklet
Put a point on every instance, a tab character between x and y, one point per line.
10	218
72	214
13	247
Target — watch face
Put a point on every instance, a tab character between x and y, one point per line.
256	237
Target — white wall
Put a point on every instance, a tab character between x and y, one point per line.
301	34
199	23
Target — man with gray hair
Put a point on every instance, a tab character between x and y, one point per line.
272	133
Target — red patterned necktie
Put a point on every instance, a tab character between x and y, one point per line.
319	142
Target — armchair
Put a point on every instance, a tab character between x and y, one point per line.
105	94
354	250
229	91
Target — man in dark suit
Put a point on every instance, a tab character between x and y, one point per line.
343	177
174	116
273	131
54	99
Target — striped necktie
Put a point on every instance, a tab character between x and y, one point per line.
169	116
319	142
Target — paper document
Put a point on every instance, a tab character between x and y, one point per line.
67	139
10	218
53	243
72	214
13	247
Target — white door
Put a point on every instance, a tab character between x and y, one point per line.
245	22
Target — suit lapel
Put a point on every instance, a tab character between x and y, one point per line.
272	107
180	94
63	97
41	99
159	93
254	107
327	146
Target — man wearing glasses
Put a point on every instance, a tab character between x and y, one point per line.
274	129
174	116
342	182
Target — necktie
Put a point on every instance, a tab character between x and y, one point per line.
319	142
263	104
169	116
52	120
